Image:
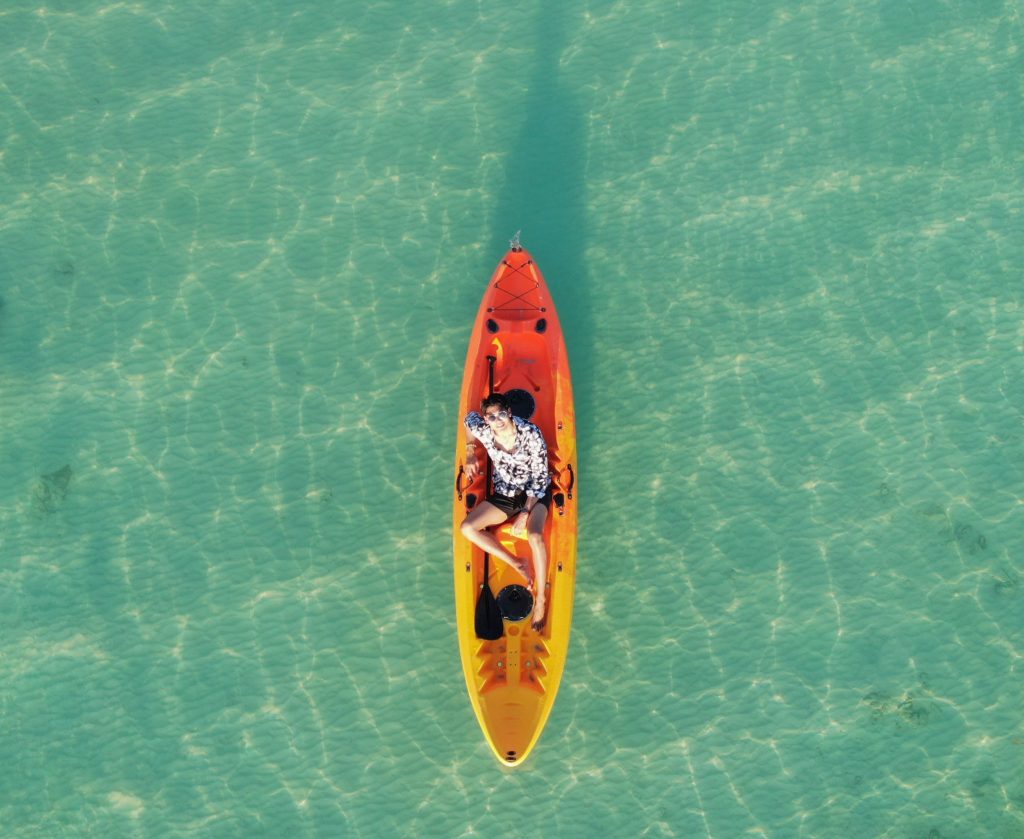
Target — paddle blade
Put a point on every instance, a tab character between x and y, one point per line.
489	626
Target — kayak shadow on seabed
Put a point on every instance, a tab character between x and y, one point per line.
544	195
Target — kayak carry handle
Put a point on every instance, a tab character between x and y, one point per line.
458	482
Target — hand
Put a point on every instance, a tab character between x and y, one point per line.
471	469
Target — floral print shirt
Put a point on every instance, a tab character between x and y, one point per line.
525	468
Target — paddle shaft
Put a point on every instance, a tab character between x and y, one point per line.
491	359
485	587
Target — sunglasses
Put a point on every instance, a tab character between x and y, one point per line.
501	415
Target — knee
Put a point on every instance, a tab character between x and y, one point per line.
466	527
536	540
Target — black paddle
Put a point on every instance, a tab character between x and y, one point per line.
489	625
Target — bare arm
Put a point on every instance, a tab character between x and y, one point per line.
474	461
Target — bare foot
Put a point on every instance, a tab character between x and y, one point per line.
524	568
539	613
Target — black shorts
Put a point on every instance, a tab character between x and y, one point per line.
514	505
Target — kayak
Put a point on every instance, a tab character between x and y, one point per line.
517	348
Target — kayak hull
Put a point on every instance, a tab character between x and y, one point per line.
517	345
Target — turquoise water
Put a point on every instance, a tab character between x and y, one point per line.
240	253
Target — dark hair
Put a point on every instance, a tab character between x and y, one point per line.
499	400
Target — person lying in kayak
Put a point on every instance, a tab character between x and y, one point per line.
519	457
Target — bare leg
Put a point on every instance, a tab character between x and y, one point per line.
535	531
474	528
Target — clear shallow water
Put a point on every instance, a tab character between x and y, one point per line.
240	254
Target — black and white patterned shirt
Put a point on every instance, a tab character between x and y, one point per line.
525	468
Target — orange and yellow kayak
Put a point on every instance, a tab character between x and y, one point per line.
517	348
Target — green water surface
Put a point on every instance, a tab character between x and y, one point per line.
241	249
